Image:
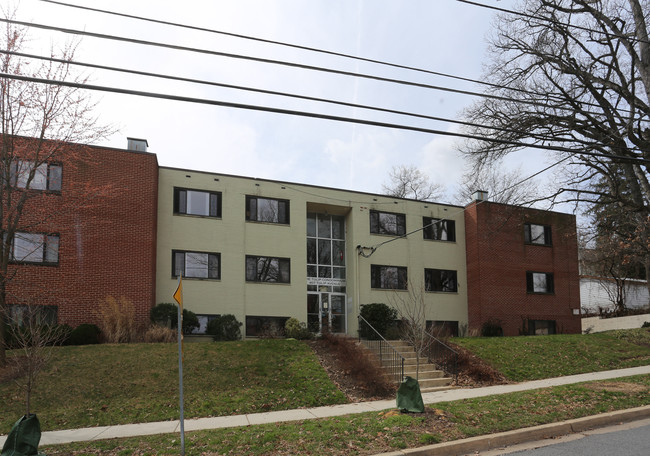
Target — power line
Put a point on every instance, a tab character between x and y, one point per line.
206	101
272	92
279	43
543	104
334	53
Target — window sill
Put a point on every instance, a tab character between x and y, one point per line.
268	223
538	245
389	289
439	240
267	283
390	235
198	278
197	216
34	263
442	292
543	293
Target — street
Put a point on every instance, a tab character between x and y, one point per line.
628	439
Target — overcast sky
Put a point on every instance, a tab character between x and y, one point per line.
440	35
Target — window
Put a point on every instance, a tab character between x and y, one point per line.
203	323
537	234
541	327
440	280
39	315
265	326
387	223
47	176
439	229
267	210
197	202
196	265
267	269
442	328
388	277
539	282
35	248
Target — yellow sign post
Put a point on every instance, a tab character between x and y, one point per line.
178	297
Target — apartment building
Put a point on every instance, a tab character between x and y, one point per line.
265	251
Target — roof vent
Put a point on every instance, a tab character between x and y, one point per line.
480	195
138	145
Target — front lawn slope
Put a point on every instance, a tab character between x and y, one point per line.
537	357
134	383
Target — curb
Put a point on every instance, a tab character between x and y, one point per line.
509	438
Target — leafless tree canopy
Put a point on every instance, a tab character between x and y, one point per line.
410	182
576	75
502	185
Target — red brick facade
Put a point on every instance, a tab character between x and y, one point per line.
105	216
498	258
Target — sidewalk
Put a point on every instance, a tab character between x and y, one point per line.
133	430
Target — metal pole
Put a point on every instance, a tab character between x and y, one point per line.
180	375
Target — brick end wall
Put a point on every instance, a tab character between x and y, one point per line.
106	217
497	261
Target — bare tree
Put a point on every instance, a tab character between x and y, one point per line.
411	310
44	128
33	338
502	185
410	182
573	75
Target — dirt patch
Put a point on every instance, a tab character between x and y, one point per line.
354	388
474	372
618	387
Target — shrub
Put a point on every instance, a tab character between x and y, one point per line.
380	316
224	327
84	334
117	321
295	329
166	314
646	324
492	328
160	334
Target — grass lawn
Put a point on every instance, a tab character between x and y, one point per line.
371	433
132	383
533	358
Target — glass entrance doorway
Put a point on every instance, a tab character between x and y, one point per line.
326	273
326	311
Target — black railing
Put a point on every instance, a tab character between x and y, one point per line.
443	356
389	357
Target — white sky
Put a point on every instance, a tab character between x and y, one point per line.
440	35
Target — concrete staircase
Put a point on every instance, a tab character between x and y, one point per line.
430	378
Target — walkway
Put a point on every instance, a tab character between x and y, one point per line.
162	427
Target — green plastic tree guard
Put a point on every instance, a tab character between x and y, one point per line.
409	397
24	438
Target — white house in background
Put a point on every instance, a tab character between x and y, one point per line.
599	292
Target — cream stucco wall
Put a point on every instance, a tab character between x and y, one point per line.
234	238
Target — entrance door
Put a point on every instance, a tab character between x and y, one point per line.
326	310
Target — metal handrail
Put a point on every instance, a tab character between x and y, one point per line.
388	355
442	355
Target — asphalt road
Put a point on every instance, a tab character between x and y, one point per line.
628	439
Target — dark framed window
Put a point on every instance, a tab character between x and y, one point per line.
541	327
269	210
539	282
34	248
204	319
46	176
537	234
387	223
197	202
442	328
388	277
196	265
265	326
20	314
268	269
440	280
439	229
